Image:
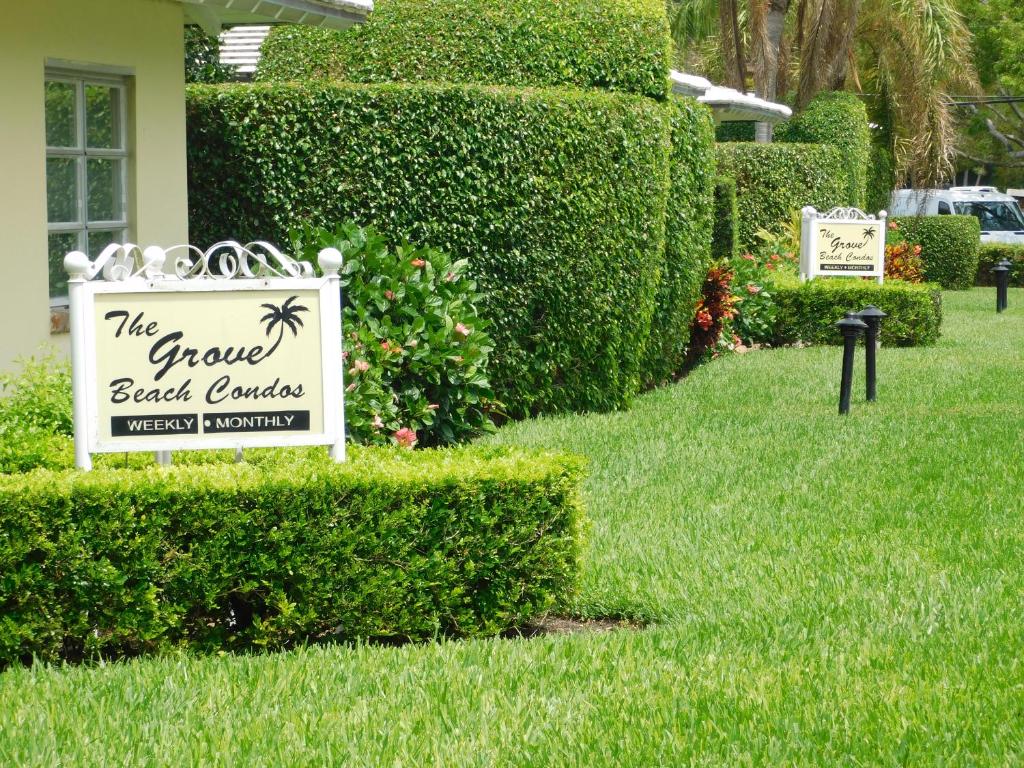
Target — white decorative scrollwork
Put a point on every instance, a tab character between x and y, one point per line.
221	261
229	259
848	214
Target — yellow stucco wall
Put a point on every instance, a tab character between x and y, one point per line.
143	38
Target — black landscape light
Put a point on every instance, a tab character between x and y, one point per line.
851	327
872	317
1009	273
1002	273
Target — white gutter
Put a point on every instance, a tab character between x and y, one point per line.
335	14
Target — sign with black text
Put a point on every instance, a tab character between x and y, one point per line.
842	243
208	363
218	360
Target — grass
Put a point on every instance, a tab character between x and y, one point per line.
824	591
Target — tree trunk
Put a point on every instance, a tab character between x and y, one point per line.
732	45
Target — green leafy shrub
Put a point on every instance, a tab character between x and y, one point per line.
840	119
688	231
990	254
881	179
735	130
202	58
773	180
725	236
949	247
616	44
416	348
38	395
557	199
809	311
285	548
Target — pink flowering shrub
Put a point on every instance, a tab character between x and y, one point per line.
415	348
752	288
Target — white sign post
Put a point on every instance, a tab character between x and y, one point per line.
235	347
845	242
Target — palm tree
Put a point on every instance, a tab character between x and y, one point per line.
287	315
909	52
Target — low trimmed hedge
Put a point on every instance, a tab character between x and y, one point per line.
287	549
990	254
557	198
725	235
773	180
840	119
949	247
808	311
621	45
688	238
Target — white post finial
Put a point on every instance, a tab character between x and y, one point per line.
153	260
77	265
330	261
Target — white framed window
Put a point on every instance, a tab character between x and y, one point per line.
86	167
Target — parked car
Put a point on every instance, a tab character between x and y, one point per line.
999	215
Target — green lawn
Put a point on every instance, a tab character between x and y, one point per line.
823	591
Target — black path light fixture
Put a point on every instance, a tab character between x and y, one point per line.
851	327
1002	273
872	317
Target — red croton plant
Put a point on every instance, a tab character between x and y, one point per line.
715	309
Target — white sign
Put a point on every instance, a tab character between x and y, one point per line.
239	347
845	242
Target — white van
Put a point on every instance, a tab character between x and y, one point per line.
1000	216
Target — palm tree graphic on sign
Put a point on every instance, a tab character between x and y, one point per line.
281	317
869	233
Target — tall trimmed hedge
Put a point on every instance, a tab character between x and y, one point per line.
990	254
620	45
881	179
725	234
688	232
735	130
556	197
840	119
949	247
290	549
773	180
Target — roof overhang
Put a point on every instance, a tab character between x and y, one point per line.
727	104
336	14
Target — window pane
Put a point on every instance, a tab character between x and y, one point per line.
104	187
103	117
99	240
61	243
61	189
61	130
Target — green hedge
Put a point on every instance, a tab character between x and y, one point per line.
949	247
688	233
725	235
881	179
840	119
809	311
556	197
773	180
990	254
392	544
616	44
